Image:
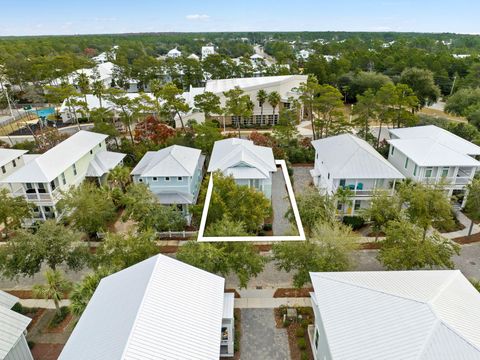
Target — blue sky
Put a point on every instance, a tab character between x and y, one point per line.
40	17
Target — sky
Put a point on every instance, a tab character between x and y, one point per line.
67	17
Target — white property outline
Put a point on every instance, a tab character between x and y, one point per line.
293	203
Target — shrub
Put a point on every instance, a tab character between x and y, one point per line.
300	332
267	227
302	344
286	323
18	308
303	355
59	317
355	222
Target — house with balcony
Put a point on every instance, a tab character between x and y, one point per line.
249	164
10	161
262	114
346	161
173	174
160	308
13	329
42	180
423	315
433	155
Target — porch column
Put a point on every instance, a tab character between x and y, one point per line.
393	187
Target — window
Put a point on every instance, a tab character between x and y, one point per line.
41	188
91	151
52	184
393	150
3	170
316	338
180	178
74	167
29	188
167	178
339	206
357	205
445	172
428	172
155	179
342	182
406	163
415	170
14	163
100	145
286	105
140	180
64	181
328	176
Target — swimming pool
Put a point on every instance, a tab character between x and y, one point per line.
45	112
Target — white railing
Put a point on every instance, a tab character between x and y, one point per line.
459	180
177	234
42	197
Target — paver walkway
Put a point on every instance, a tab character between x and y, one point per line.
260	338
280	204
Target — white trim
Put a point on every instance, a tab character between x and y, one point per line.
293	202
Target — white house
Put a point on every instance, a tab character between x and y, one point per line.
247	163
42	180
13	328
378	315
207	50
432	155
102	72
193	57
346	161
10	161
160	308
174	53
304	54
173	174
286	86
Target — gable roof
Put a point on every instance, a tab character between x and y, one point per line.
174	160
52	163
438	135
425	315
157	309
12	324
229	153
7	155
349	157
221	85
103	162
428	152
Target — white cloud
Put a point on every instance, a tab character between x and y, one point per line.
197	17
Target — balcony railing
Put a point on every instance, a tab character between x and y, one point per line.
39	197
459	180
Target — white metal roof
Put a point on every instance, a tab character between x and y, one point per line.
103	162
7	155
424	315
234	152
428	152
228	305
102	72
159	309
221	85
12	324
349	157
52	163
174	160
437	134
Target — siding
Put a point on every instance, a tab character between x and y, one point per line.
20	351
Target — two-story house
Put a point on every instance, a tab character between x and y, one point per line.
160	308
247	163
42	180
10	161
173	174
433	155
346	161
422	315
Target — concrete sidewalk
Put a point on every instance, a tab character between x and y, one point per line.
263	299
41	303
465	221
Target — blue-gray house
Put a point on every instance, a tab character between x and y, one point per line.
173	174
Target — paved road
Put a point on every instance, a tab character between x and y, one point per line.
280	205
260	338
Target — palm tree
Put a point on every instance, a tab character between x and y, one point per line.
83	291
274	100
98	89
83	84
344	196
119	177
262	97
54	289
